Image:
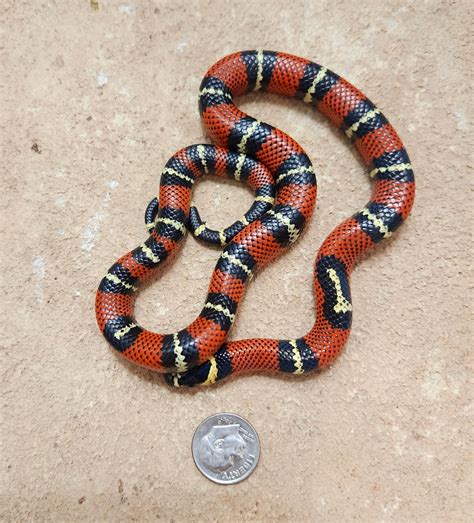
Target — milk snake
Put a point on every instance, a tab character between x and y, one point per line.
282	175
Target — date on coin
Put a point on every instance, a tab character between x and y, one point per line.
226	448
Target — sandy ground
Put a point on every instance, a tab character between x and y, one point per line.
94	102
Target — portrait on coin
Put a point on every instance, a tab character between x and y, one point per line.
222	447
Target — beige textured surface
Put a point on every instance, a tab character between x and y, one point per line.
108	95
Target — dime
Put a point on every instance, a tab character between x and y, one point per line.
226	448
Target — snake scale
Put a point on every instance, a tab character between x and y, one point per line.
283	178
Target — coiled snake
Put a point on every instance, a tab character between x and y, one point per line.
282	175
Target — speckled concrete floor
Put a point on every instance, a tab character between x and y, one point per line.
94	102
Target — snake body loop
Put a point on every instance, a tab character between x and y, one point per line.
282	175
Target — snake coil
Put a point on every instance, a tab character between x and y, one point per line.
283	178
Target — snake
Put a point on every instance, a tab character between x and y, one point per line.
283	178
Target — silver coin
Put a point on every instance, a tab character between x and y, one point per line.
226	448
